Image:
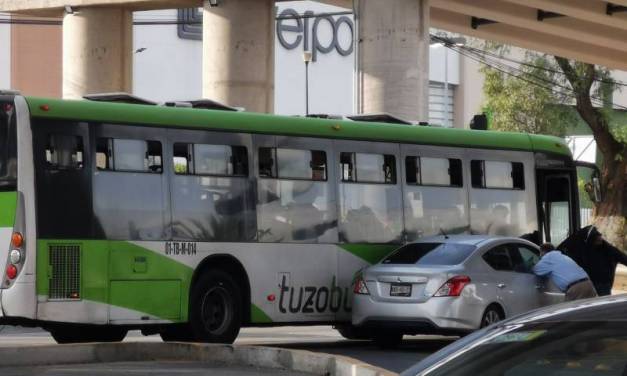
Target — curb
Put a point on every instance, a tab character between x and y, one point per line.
254	356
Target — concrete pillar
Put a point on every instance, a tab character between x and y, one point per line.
393	59
97	51
238	53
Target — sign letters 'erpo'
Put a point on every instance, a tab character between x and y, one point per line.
303	31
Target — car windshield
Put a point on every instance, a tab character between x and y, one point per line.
548	349
430	254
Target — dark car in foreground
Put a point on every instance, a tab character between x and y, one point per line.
587	337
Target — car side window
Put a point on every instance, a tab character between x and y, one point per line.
524	258
499	258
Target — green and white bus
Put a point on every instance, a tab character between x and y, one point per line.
192	223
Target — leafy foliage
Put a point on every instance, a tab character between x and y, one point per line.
528	102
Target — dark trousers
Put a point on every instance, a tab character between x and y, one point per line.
603	289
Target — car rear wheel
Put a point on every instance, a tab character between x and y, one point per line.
388	340
492	314
353	332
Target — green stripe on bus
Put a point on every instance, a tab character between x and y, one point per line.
258	316
122	113
8	205
372	253
125	275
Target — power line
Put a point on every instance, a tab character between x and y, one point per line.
445	41
506	69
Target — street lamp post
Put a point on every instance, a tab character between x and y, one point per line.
307	60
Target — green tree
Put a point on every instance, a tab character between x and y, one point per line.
546	95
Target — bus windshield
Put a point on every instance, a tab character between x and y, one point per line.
8	145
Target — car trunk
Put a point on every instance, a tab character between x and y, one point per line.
406	283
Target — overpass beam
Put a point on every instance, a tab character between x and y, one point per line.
97	51
238	53
394	57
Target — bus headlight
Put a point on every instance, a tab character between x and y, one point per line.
15	256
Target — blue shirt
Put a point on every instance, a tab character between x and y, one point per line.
560	268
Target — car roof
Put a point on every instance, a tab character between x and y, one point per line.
608	308
475	240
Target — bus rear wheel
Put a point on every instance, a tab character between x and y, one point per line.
216	308
83	334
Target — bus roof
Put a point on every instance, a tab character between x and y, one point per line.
189	118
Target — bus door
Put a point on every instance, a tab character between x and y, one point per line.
556	205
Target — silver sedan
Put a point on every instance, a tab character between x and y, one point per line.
449	285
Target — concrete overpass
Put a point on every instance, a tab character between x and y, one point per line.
392	52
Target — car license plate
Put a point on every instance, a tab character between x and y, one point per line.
400	289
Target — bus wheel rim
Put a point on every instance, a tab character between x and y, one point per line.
216	310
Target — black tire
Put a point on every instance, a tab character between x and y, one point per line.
388	340
215	308
353	333
491	315
177	333
84	334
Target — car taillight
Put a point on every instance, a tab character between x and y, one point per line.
11	271
17	240
360	287
453	287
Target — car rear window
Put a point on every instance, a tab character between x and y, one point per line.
430	254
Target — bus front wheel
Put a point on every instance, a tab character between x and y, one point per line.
216	308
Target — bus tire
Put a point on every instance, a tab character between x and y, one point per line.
215	307
84	334
177	333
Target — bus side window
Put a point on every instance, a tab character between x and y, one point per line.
154	160
182	158
476	174
347	166
104	154
64	152
267	164
129	155
497	174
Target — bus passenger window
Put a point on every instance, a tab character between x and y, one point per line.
129	155
347	166
412	170
104	154
64	152
518	175
497	174
267	167
301	164
318	165
434	171
476	174
182	158
153	156
212	160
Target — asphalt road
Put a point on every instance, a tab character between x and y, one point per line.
322	339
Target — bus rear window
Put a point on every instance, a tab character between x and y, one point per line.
8	145
430	254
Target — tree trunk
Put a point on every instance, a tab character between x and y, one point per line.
608	215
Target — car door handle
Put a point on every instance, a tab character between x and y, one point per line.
501	285
539	287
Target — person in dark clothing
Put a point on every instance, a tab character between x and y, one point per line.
596	256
